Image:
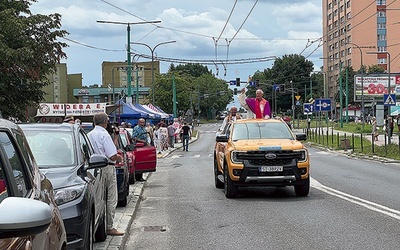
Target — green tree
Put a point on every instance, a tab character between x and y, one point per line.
196	89
29	51
375	69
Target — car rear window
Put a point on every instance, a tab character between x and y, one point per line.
260	130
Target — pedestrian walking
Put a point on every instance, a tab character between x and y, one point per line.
374	133
103	144
390	126
186	134
163	133
171	135
139	134
398	123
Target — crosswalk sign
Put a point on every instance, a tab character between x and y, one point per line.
389	99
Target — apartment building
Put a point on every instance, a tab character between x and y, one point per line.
359	32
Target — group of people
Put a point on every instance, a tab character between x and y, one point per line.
388	126
165	136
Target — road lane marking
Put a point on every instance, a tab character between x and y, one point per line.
356	200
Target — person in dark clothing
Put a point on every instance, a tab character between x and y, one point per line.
186	133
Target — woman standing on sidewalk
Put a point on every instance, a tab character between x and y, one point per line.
374	129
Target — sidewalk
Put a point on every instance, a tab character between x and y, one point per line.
124	216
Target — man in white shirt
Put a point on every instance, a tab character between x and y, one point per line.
103	144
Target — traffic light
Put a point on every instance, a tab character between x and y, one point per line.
238	81
235	91
282	88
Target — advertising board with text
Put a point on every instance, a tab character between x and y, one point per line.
374	87
76	109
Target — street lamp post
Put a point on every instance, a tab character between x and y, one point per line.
291	86
152	63
388	70
362	82
128	30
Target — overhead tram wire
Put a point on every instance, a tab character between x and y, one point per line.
223	29
241	26
211	62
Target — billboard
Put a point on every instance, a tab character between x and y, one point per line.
374	86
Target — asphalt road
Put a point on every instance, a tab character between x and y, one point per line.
353	204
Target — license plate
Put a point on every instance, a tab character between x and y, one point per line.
264	169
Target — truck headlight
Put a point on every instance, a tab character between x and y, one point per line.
236	156
303	155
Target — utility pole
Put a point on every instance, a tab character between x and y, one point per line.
128	51
174	94
341	93
291	86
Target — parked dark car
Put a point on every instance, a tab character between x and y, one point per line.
29	216
122	172
64	153
130	155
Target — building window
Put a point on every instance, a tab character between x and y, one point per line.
349	39
85	99
349	51
330	16
336	55
382	49
96	99
348	15
342	8
380	2
381	60
335	13
330	26
342	19
348	4
381	13
381	25
348	27
342	53
382	37
349	62
329	6
336	23
336	45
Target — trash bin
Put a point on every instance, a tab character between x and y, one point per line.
344	143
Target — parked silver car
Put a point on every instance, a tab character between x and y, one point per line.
64	153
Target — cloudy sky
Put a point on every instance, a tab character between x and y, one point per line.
215	31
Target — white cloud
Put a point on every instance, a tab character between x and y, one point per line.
273	28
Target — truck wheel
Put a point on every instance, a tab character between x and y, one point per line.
304	188
218	182
231	191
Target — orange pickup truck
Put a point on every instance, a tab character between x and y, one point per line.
258	152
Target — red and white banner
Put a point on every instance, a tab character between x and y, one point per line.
76	109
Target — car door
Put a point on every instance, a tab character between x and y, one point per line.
96	175
17	181
145	157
